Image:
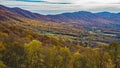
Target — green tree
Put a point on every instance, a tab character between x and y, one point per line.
13	55
33	54
2	65
114	52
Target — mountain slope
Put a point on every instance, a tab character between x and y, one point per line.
6	14
87	19
81	18
26	19
110	16
23	13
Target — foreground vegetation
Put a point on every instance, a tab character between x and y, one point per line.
35	55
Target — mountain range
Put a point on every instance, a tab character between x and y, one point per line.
82	18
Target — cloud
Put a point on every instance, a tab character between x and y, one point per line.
73	1
61	6
86	1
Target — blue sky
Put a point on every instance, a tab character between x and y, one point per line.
62	6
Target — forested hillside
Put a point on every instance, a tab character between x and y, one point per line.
30	40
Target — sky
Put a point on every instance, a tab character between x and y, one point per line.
62	6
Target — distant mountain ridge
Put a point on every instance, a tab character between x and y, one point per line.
110	16
89	19
84	18
22	13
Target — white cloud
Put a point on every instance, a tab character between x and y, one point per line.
85	1
77	5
